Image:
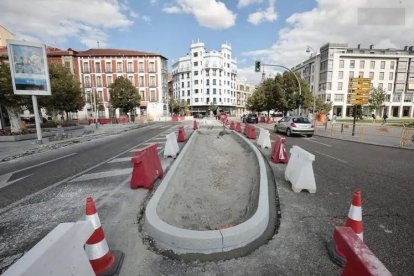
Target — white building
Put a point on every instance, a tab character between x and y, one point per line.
243	91
328	73
204	78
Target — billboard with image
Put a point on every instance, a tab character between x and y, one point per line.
28	66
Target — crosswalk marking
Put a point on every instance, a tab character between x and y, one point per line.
105	174
118	160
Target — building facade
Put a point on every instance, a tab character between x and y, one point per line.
328	74
4	35
205	78
243	92
96	70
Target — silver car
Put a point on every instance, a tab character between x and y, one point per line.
295	125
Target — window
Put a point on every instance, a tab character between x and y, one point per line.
361	74
196	91
361	64
141	67
338	97
97	67
352	63
214	82
188	75
182	84
381	76
188	93
109	80
340	85
351	74
408	97
382	64
380	85
214	100
108	68
399	87
99	81
86	67
153	96
392	64
328	97
119	67
341	64
401	76
207	72
188	101
396	98
130	68
207	100
152	67
196	100
87	81
207	82
195	54
389	87
391	77
328	86
152	81
141	81
131	79
195	63
188	84
340	75
372	64
214	72
67	64
142	95
208	91
195	73
195	81
214	91
371	75
402	65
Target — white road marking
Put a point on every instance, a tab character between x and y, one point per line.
327	155
5	178
313	140
123	159
105	174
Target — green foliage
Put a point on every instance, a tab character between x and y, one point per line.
322	107
124	95
376	98
280	94
174	106
7	97
67	95
183	107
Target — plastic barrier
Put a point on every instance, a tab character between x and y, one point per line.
269	120
102	260
195	125
279	153
171	148
174	118
122	120
359	258
59	253
251	132
181	135
264	139
146	168
246	129
299	170
232	127
238	127
262	119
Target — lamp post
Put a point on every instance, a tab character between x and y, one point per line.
309	49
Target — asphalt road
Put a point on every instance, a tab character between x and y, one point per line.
40	171
385	176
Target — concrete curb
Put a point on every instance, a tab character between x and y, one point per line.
183	241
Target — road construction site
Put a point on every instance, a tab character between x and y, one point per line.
307	220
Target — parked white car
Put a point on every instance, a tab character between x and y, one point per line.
295	125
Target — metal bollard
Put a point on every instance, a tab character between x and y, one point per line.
342	128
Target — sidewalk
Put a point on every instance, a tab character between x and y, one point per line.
13	150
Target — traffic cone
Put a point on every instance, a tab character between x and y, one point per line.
195	125
102	260
355	222
355	215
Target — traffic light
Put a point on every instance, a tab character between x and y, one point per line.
257	66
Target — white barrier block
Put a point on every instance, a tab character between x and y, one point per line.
171	146
264	139
299	170
59	253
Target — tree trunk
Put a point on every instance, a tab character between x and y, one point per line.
15	121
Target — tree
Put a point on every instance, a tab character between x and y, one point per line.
183	107
322	107
376	98
13	103
256	101
174	105
212	107
124	95
67	95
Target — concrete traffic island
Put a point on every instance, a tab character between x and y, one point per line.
214	202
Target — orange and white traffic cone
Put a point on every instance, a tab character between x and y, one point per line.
355	222
355	215
102	260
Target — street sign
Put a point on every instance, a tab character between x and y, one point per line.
358	91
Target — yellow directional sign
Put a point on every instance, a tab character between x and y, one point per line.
358	91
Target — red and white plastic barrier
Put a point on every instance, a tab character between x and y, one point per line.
279	153
146	167
181	135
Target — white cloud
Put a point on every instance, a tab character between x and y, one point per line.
53	22
335	21
208	13
245	3
146	18
261	16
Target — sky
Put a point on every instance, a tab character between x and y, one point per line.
273	31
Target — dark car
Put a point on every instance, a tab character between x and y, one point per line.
251	119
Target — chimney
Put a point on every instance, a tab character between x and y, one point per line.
411	48
359	46
405	48
371	46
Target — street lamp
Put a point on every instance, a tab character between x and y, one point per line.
309	49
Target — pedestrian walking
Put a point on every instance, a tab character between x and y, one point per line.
384	118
